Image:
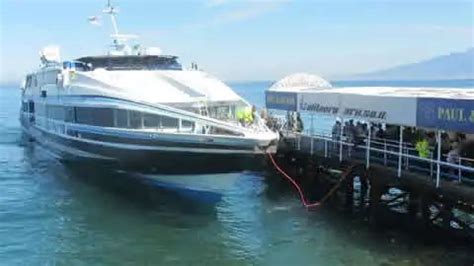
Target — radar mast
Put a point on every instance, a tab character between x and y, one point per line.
119	41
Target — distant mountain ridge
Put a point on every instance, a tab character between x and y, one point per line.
452	66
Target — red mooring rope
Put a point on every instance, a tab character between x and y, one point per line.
292	181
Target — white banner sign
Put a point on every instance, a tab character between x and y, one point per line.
392	110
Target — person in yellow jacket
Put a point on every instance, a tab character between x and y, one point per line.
423	148
246	116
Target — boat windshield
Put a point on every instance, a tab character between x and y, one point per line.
132	62
228	112
79	66
220	111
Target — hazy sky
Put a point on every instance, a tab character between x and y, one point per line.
244	40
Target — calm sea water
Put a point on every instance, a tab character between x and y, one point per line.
51	214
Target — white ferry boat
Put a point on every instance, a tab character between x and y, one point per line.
139	110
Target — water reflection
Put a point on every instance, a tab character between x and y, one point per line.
240	215
121	188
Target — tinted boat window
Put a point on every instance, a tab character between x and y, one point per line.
84	115
79	66
151	121
121	118
135	119
104	117
168	122
95	116
69	114
187	124
28	81
133	62
55	112
109	117
31	106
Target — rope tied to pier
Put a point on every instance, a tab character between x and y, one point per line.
303	199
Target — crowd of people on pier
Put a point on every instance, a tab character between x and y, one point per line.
424	141
356	133
454	146
292	121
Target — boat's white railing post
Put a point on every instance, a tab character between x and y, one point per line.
385	152
369	132
311	146
400	153
438	159
340	139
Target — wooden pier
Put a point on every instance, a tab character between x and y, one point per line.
373	184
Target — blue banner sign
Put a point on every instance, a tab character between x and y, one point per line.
281	100
446	114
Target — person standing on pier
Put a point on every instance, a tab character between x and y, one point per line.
453	158
299	123
423	148
336	133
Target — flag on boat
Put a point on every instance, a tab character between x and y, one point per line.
94	20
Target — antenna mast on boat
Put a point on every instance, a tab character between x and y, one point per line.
112	11
119	40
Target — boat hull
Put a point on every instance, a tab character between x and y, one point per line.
149	158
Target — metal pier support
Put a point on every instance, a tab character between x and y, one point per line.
438	159
367	154
459	169
340	140
311	131
400	153
325	148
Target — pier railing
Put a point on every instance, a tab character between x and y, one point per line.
389	153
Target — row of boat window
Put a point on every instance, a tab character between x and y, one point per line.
112	117
105	117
